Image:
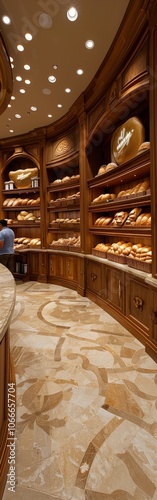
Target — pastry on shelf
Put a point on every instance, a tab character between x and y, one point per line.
133	214
119	219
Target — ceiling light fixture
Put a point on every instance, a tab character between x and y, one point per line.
11	59
20	48
9	106
12	65
46	91
28	37
22	91
45	21
49	116
72	14
13	98
52	79
27	82
17	116
89	44
19	78
55	66
11	131
59	105
33	108
68	90
6	20
79	71
27	67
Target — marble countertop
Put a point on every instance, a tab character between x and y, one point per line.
7	298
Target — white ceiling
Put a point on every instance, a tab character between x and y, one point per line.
63	44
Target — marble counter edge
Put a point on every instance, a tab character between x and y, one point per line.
7	298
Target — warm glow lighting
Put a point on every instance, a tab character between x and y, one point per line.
27	67
11	131
59	105
49	116
17	116
33	108
22	91
68	90
6	20
52	79
9	105
89	44
19	78
11	59
72	14
20	48
27	82
13	98
79	71
28	37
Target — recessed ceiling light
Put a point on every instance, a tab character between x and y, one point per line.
59	105
89	44
11	59
27	67
46	91
33	108
52	79
22	91
6	20
49	116
9	119
11	131
20	48
79	71
45	20
12	65
68	90
17	116
28	37
9	106
72	14
55	66
19	78
27	82
13	98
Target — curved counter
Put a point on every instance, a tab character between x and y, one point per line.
7	300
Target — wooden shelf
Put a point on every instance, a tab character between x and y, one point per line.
120	203
21	207
121	231
64	186
66	208
20	191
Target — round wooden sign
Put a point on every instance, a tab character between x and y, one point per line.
126	140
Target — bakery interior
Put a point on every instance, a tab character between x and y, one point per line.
78	336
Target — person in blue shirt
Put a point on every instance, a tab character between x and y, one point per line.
6	245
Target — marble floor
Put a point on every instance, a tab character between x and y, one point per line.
86	401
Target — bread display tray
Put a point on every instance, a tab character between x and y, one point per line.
140	265
73	248
121	259
59	247
98	253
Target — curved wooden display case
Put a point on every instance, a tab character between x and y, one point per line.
79	144
7	379
21	207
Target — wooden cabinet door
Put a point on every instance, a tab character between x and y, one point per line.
138	304
33	264
94	276
71	268
42	266
56	265
113	292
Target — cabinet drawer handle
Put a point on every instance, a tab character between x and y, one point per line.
138	302
154	317
93	276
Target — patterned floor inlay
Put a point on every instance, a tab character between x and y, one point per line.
86	401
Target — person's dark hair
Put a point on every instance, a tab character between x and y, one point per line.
3	222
